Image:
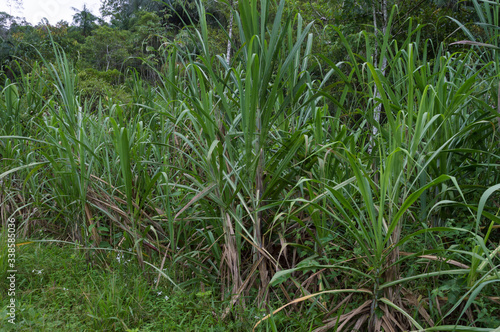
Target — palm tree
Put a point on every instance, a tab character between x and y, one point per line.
84	19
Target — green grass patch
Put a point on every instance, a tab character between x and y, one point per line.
57	290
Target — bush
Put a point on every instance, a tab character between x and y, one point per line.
96	85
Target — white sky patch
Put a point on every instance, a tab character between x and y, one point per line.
54	10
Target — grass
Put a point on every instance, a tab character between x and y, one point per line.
58	290
253	192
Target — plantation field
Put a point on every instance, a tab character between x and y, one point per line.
275	189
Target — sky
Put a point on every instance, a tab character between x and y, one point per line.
53	10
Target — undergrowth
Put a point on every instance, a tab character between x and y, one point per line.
59	290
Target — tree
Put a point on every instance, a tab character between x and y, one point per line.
124	12
110	8
106	48
85	20
5	21
174	13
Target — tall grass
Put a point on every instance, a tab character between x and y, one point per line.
247	176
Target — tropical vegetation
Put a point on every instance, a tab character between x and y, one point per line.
292	166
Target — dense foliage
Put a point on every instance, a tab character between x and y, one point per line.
327	167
